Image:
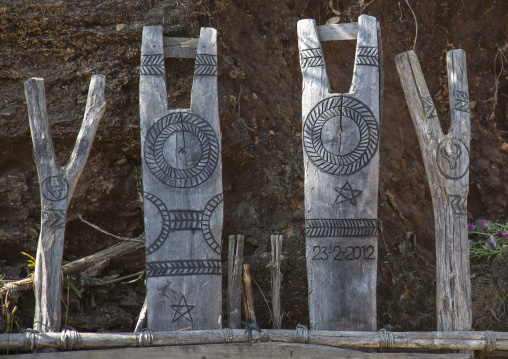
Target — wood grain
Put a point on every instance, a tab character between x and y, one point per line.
446	159
456	340
57	185
341	138
235	265
182	182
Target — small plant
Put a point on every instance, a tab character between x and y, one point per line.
8	316
31	260
489	239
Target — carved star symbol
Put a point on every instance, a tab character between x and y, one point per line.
182	309
347	193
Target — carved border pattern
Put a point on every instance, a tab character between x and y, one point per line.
341	227
340	106
185	220
53	218
163	211
205	65
462	101
428	107
206	225
367	55
183	268
311	58
152	64
162	130
458	204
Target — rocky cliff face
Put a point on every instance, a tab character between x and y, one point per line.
65	42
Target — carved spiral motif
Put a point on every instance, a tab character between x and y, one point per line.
344	160
204	150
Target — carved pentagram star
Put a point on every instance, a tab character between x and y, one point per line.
347	193
182	309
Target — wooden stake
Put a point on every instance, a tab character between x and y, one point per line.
276	257
235	258
57	184
248	298
446	159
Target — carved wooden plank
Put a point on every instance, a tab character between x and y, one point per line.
334	32
340	138
57	184
180	47
446	159
276	257
182	181
235	258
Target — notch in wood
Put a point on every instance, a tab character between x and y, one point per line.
182	47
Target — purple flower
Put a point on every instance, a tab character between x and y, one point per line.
488	246
470	226
502	234
482	226
470	244
493	241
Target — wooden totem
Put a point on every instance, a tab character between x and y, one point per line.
446	159
182	182
57	184
341	140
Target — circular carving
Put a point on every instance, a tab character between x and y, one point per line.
181	150
164	232
340	135
452	157
206	227
55	188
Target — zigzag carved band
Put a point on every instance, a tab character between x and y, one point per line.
341	227
205	65
152	64
183	267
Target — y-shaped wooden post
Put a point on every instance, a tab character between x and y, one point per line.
57	184
446	159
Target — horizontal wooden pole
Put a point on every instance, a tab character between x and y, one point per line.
114	251
66	340
335	32
244	351
183	47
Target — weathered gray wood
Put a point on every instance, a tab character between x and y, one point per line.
182	47
57	184
341	138
235	259
256	351
446	159
455	340
276	257
182	181
141	323
334	32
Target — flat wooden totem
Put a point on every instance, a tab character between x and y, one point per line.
57	184
182	181
446	159
341	140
